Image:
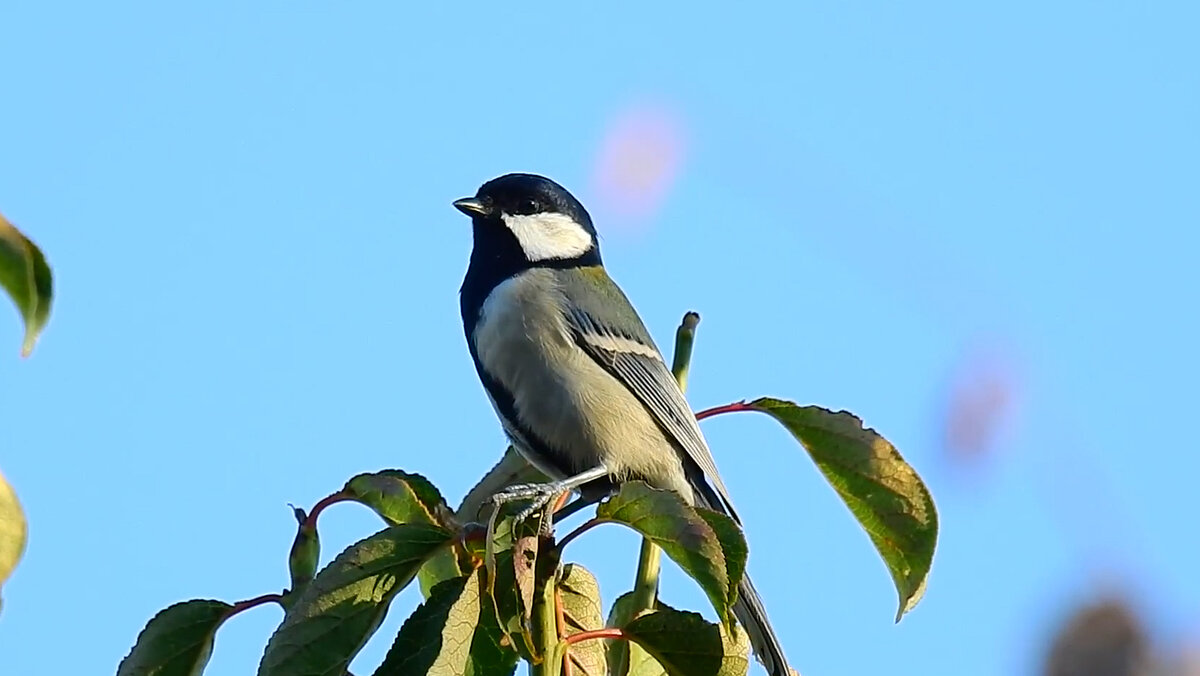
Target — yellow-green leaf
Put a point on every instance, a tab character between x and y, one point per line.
580	596
26	277
451	634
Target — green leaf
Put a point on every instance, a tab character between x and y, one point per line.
342	607
513	584
641	663
443	636
626	658
492	652
733	546
580	597
401	497
882	490
636	661
446	564
685	644
13	532
508	604
26	276
176	642
685	536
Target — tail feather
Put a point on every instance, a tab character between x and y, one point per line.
748	609
751	614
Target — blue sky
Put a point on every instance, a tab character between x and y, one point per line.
247	211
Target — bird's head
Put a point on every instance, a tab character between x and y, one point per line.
525	218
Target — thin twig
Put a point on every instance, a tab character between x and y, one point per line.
242	606
727	408
583	528
311	521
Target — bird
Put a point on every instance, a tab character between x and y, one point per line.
579	386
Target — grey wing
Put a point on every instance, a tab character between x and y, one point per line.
637	363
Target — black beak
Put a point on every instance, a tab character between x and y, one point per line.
471	207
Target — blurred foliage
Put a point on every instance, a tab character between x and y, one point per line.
13	532
26	278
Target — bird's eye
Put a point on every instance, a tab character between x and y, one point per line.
529	206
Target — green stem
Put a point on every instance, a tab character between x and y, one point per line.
685	336
546	621
552	654
645	585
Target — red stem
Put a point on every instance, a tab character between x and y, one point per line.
562	501
241	606
561	622
607	632
311	521
559	619
474	534
727	408
583	528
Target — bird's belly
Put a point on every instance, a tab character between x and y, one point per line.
581	413
591	419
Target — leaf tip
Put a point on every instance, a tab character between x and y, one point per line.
907	604
28	344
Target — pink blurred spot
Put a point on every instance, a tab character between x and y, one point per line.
982	395
1189	659
638	161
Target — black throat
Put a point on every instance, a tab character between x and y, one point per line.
496	257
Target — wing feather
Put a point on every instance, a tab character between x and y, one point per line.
638	364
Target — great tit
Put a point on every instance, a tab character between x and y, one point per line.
578	384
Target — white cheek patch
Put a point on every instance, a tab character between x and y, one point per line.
548	236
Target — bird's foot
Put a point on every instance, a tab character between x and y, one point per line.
540	495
